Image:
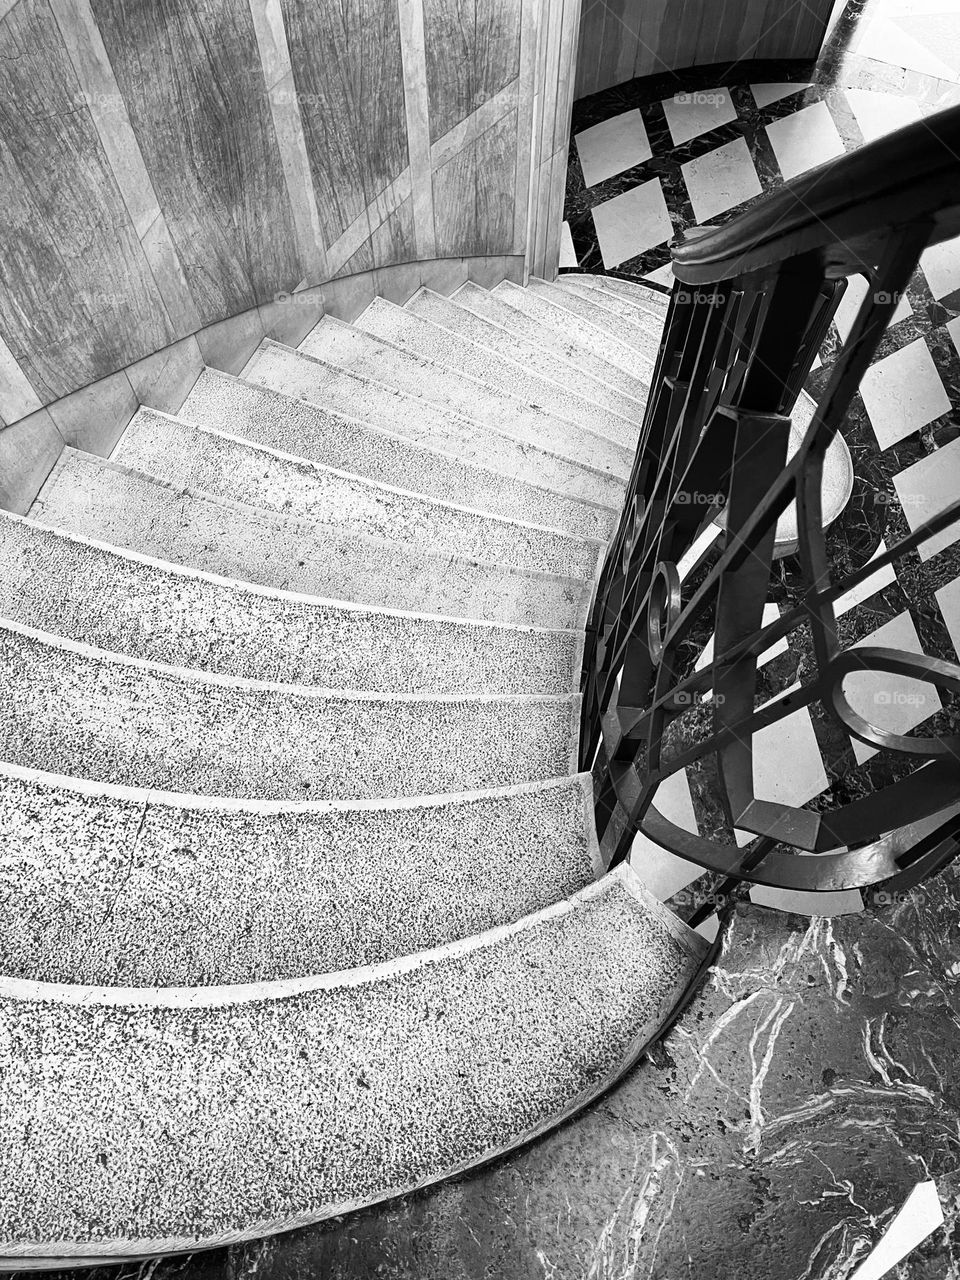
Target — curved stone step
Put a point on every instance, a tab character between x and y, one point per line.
648	299
424	402
405	330
140	512
140	1122
143	607
487	304
339	505
592	337
117	887
622	320
267	417
639	296
71	709
450	314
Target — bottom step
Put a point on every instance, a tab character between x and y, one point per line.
143	1122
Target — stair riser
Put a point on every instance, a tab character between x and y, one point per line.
119	890
427	340
589	336
265	417
515	321
132	511
336	505
150	611
111	721
432	407
457	319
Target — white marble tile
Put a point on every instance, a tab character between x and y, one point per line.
948	598
941	267
568	255
920	1216
632	222
881	113
884	577
787	765
721	179
662	275
787	762
663	872
691	114
902	43
764	94
903	392
612	146
846	902
856	290
805	139
928	486
892	702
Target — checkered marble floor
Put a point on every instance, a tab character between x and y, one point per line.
653	157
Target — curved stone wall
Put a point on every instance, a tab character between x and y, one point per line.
183	177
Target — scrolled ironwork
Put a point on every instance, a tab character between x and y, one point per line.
691	560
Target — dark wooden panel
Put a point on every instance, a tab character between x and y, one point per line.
77	299
190	74
670	35
473	51
349	75
473	193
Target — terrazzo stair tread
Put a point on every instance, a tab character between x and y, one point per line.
112	886
511	377
138	512
565	345
143	1122
339	505
451	314
86	713
343	367
627	308
592	337
642	296
642	332
264	416
148	608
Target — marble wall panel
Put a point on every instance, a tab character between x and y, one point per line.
473	51
77	298
193	85
473	193
172	168
348	73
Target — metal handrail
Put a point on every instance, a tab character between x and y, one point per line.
732	362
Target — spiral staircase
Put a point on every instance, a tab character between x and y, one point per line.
301	894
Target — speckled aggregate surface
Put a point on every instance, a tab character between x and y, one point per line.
112	600
131	509
347	369
606	289
267	417
110	888
339	505
448	314
146	1123
565	345
89	714
592	337
404	329
619	318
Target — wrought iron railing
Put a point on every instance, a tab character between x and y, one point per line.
751	307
